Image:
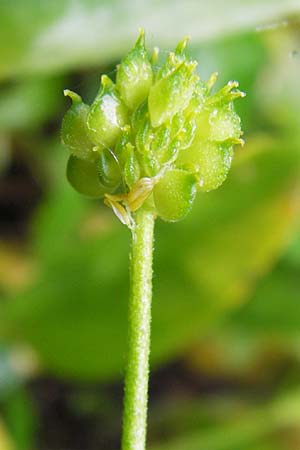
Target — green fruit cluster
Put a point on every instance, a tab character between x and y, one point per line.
154	137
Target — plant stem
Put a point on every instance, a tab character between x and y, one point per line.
137	374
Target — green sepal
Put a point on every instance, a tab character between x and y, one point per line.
83	177
119	210
107	115
134	75
74	132
174	194
139	193
172	93
109	170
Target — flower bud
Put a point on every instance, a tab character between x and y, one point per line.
107	115
172	93
83	177
154	138
174	194
134	75
74	132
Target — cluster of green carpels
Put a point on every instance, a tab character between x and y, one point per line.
154	137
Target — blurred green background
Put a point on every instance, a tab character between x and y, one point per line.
226	308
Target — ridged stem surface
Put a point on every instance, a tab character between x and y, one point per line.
137	373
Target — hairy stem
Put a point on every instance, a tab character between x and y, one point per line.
137	374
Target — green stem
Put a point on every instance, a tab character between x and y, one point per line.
137	374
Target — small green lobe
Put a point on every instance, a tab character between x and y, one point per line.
74	132
108	169
83	177
174	195
209	161
134	75
107	115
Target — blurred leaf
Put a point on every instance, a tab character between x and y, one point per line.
247	429
245	223
292	255
275	305
75	314
58	35
5	440
235	58
4	152
278	87
15	269
29	103
260	337
8	377
20	419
